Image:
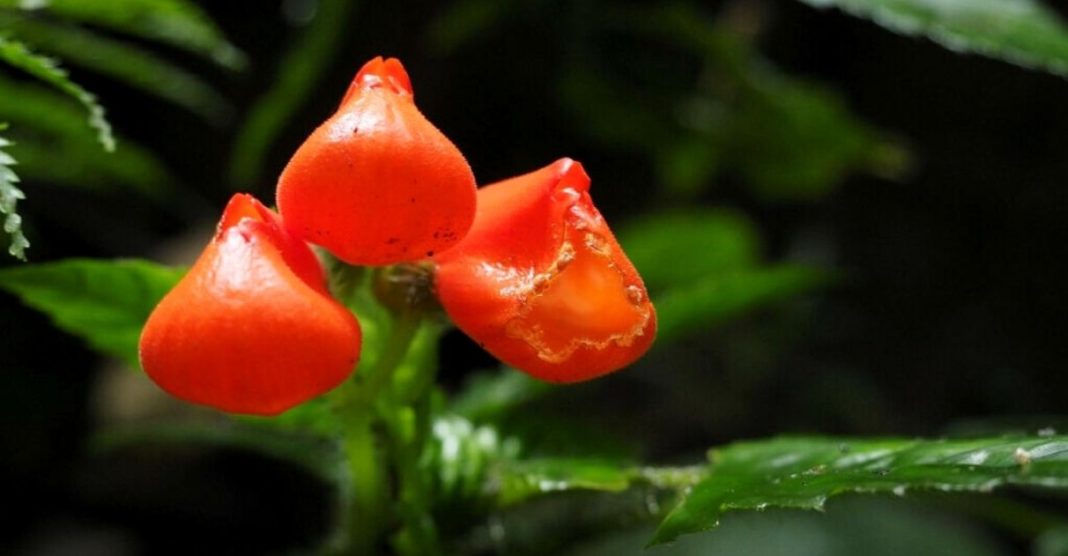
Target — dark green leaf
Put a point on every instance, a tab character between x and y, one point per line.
9	198
805	472
682	248
1023	32
133	66
50	129
175	22
486	396
46	69
104	302
711	301
300	69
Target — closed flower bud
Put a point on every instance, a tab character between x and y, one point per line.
541	283
251	328
377	183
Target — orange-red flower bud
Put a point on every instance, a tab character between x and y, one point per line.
541	283
377	183
251	328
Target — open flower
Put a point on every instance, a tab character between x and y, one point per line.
541	283
251	327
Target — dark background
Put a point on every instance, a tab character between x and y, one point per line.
950	313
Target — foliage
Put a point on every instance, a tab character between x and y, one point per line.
9	198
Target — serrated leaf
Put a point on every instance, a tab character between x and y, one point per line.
1023	32
103	302
133	66
178	23
719	298
299	70
49	128
804	472
46	69
10	195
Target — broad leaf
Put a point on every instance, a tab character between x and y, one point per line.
300	69
1023	32
708	302
123	62
9	198
104	302
175	22
805	472
46	69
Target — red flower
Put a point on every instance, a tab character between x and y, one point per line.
377	183
251	328
541	283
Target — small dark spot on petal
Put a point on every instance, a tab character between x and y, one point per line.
429	253
392	240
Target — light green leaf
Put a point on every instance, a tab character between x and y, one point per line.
1023	32
133	66
804	472
710	241
709	302
300	69
46	69
10	195
48	128
178	23
103	302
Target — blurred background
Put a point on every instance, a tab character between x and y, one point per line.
846	231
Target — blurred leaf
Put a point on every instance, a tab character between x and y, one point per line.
680	248
318	456
130	65
520	480
804	472
684	310
103	302
299	70
178	23
486	396
460	456
49	128
872	526
1022	32
463	21
1053	542
9	198
45	69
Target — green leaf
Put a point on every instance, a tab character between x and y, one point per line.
318	456
711	241
49	128
804	472
300	69
103	302
46	69
178	23
488	396
708	302
524	479
133	66
1023	32
9	198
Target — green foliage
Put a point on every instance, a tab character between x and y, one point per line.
17	54
1023	32
9	198
104	302
489	396
177	23
804	472
298	72
123	62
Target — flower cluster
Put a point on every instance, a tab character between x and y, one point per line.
527	267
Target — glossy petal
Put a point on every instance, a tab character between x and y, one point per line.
251	327
541	283
377	183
